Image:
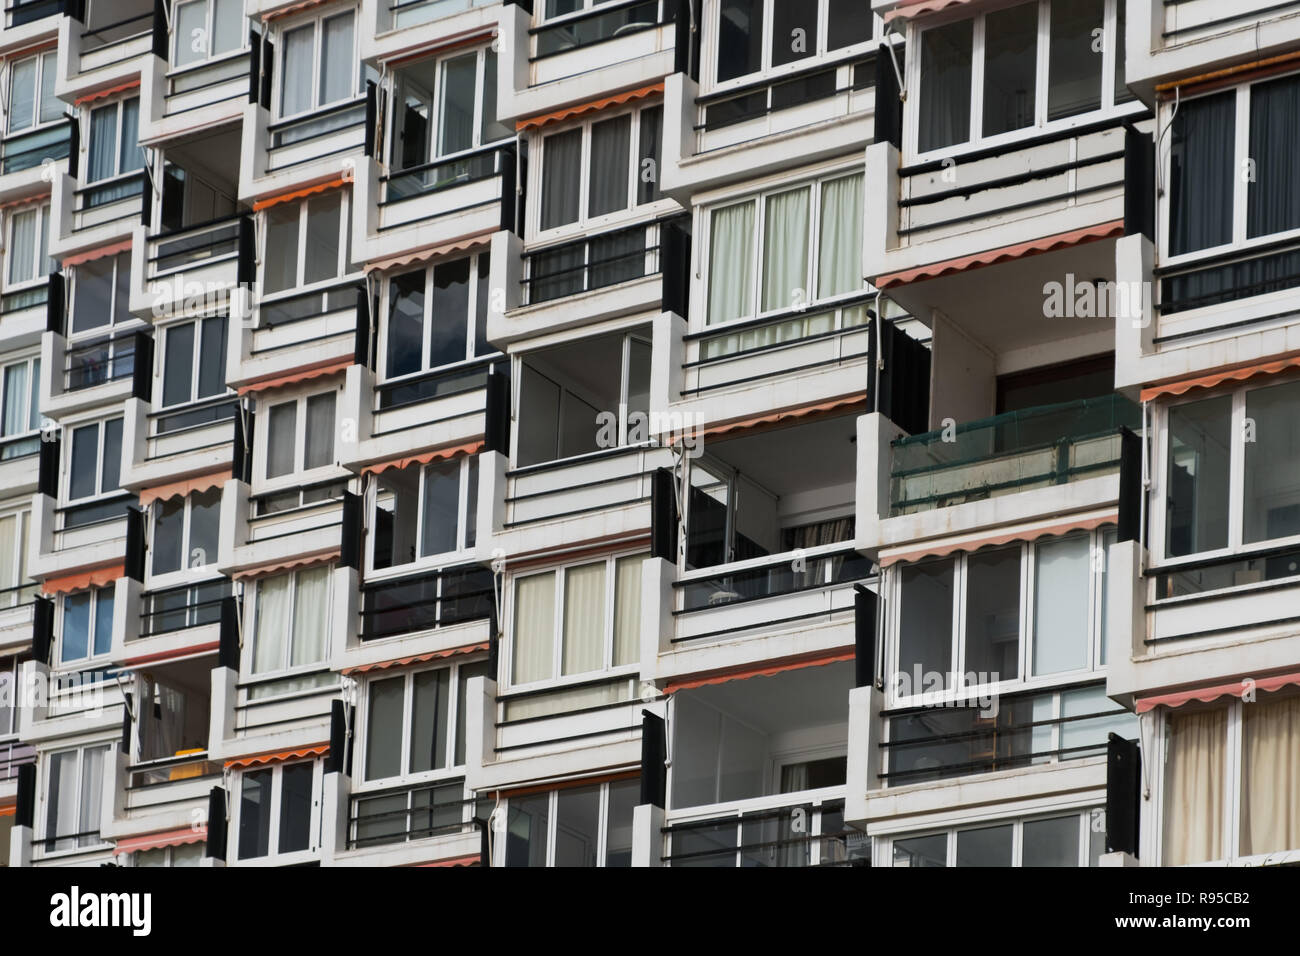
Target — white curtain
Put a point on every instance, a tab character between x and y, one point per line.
51	106
561	178
8	564
103	143
584	619
839	244
1270	814
190	22
227	26
22	95
788	331
272	623
22	246
319	450
1061	585
785	250
338	69
92	790
1194	786
627	609
295	94
534	645
731	263
61	800
311	605
15	399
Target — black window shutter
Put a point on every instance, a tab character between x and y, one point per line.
508	172
160	38
889	108
246	269
268	59
42	629
1130	486
1139	183
338	759
228	635
135	544
351	548
47	469
74	143
25	811
663	516
496	427
361	345
1123	794
216	845
674	268
654	753
865	606
372	113
142	368
54	311
126	725
254	64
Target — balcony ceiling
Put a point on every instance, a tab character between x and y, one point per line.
807	697
795	458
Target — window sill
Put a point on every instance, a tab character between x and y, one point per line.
573	682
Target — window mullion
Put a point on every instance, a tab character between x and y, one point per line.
1236	471
1242	154
1042	55
976	81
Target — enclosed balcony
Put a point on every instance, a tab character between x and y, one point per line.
416	823
100	39
204	78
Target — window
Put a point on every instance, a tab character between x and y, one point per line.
963	619
306	243
97	351
193	370
762	35
278	810
415	723
437	316
185	532
291	449
29	240
16	588
1227	780
580	398
189	199
576	620
1210	203
424	512
292	626
206	28
319	64
1071	839
20	416
10	671
186	854
114	152
87	625
578	826
31	92
599	169
782	251
1024	66
446	105
94	472
74	798
1218	499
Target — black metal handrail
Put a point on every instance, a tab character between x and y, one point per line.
423	387
387	611
409	831
593	26
403	184
589	274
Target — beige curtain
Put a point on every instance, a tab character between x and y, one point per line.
311	617
787	331
839	247
534	644
1270	812
8	559
272	624
627	609
731	263
785	250
1194	786
584	619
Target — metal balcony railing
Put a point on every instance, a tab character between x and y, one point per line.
422	602
402	814
806	833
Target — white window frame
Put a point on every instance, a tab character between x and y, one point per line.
1087	812
196	362
41	259
1241	189
552	815
273	856
300	476
210	32
46	60
91	658
1026	680
812	304
465	521
406	777
1237	545
33	396
584	224
101	493
118	174
121	260
1041	125
820	54
109	749
317	24
287	671
301	287
11	591
188	571
438	112
558	680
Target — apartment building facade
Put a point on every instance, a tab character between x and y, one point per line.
650	433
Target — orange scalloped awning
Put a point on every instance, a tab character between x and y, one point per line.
110	250
816	659
417	658
1207	694
1239	374
534	122
908	9
803	412
280	757
432	252
100	94
1031	534
1021	250
293	378
311	560
154	841
80	580
297	194
469	448
26	200
186	486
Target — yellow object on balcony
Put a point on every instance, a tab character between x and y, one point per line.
186	771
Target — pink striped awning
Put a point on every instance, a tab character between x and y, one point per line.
153	841
1207	694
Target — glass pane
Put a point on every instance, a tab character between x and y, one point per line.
178	364
405	323
1202	173
459	80
281	431
526	830
785	250
441	508
993	615
255	814
577	826
534	648
1010	68
925	640
794	30
492	130
850	23
51	107
584	619
1075	57
429	720
110	474
190	30
450	311
103	143
1062	579
324	214
384	728
945	85
1197	489
1272	439
624	795
561	175
1053	842
103	621
987	846
610	145
212	357
75	640
338	74
227	26
22	95
92	295
740	38
926	851
84	462
1079	734
280	260
295	807
132	156
320	431
168	529
647	171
